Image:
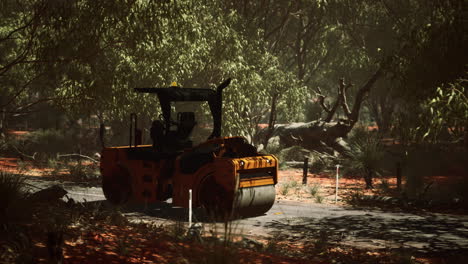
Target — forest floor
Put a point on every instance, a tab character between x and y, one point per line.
109	239
321	188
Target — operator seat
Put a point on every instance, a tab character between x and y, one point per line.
157	133
186	123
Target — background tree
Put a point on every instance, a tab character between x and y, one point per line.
84	58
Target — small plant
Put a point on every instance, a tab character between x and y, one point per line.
355	197
293	184
322	161
283	165
22	166
13	199
284	189
313	189
15	209
296	153
55	166
220	244
319	198
16	247
81	172
287	186
365	155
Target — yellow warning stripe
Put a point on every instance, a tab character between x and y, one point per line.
256	182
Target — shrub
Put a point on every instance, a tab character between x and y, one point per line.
274	146
55	166
284	189
296	153
287	186
319	198
79	171
14	207
48	142
313	189
321	161
22	166
365	155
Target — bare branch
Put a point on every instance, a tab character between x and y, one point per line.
321	99
21	90
344	102
336	104
281	26
362	92
77	155
8	36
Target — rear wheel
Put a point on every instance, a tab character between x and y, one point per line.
117	186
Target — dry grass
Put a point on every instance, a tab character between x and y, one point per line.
320	188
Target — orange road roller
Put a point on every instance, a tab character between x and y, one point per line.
226	174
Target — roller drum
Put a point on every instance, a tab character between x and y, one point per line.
254	201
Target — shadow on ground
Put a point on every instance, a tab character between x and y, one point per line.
432	234
163	210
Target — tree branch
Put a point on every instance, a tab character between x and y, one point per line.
336	104
21	90
354	115
344	102
321	99
77	155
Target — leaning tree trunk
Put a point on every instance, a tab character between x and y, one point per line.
325	135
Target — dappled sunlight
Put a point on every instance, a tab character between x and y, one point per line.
126	244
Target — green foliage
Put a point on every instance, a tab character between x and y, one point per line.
445	114
83	172
432	160
55	167
46	143
365	153
313	189
22	166
294	153
284	189
319	198
285	52
14	207
321	161
287	186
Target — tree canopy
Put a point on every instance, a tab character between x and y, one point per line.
85	57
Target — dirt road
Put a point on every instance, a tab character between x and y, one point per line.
300	222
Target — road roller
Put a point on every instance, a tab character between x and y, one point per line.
225	175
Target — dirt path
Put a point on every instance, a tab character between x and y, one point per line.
300	222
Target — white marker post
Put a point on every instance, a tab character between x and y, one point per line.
190	208
336	189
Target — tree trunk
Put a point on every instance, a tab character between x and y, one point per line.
323	135
368	178
272	120
318	135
